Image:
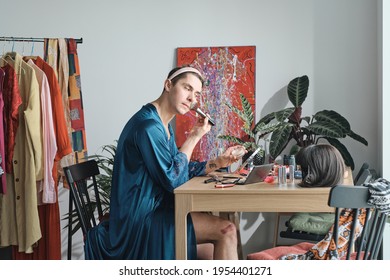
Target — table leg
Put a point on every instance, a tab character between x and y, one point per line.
182	208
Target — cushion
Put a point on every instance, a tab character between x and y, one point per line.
318	223
276	252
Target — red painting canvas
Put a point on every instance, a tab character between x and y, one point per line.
228	71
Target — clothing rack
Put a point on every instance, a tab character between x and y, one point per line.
31	39
42	40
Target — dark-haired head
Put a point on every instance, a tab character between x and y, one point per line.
322	165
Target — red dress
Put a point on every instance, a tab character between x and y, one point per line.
12	100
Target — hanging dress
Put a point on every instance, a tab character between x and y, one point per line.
19	221
12	101
3	181
49	247
46	187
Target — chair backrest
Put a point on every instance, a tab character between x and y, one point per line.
355	198
81	177
359	176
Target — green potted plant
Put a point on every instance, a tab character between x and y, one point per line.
254	133
289	125
325	124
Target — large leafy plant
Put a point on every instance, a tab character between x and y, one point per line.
289	125
306	130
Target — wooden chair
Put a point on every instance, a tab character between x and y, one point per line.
81	178
341	196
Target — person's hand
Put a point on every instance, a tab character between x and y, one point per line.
228	157
201	127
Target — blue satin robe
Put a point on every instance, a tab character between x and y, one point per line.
148	167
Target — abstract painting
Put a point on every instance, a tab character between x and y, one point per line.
228	71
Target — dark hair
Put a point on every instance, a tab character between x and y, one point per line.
182	75
322	165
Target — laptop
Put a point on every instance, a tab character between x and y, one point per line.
243	176
257	174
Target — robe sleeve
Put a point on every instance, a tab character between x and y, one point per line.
165	163
197	168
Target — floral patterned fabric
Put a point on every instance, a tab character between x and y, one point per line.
379	191
326	248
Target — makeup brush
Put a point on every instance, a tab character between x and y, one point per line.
195	107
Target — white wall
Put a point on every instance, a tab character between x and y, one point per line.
385	89
384	104
129	46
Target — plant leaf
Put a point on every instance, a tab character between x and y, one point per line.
284	114
249	133
280	116
334	118
279	140
247	108
267	118
297	90
241	115
232	139
326	129
306	119
264	129
294	149
343	150
357	137
250	146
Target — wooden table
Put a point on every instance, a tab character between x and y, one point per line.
196	196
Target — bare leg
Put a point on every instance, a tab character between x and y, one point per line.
205	251
222	233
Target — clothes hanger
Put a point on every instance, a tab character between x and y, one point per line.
32	48
2	54
23	48
11	56
31	56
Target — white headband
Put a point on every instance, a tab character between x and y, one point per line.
184	70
